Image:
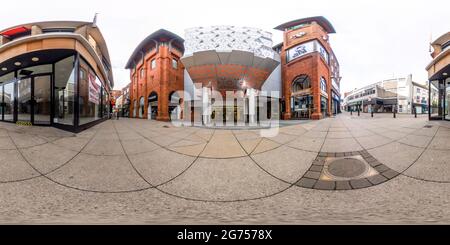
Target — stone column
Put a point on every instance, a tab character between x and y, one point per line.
252	106
205	106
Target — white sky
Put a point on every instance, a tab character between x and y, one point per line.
375	39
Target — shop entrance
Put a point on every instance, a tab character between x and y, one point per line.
152	109
302	107
33	100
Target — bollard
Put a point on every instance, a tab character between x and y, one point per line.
358	112
415	113
351	112
395	116
371	113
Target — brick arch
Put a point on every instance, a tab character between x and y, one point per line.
152	99
300	82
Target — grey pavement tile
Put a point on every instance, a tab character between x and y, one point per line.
377	179
360	183
390	174
316	168
325	185
306	183
312	175
286	163
343	185
381	168
433	165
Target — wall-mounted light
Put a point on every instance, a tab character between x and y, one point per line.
35	59
4	69
17	63
445	74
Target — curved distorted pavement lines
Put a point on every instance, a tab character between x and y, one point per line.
210	165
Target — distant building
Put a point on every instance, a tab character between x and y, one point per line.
399	94
124	100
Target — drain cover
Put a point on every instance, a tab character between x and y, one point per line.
428	126
347	168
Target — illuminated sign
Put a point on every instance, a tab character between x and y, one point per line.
300	50
306	48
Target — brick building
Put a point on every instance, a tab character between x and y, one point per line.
156	74
302	70
310	70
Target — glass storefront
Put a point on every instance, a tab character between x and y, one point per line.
24	100
90	100
48	95
7	84
447	99
323	106
302	107
64	91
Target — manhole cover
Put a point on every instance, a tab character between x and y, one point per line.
347	168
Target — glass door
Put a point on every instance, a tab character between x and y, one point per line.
42	99
24	100
8	102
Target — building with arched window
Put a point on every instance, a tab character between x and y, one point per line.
235	75
155	73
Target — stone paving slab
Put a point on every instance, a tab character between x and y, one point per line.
223	144
285	163
281	185
433	165
48	157
307	144
160	166
224	179
396	156
341	145
13	167
99	173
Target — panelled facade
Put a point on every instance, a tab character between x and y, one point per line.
55	73
301	74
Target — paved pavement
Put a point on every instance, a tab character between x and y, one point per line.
138	171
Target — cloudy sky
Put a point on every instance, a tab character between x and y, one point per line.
375	40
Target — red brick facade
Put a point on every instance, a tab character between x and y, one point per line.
313	65
165	77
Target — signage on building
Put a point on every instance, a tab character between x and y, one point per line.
94	90
298	35
300	50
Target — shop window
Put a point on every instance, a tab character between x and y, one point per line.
90	95
323	84
64	95
7	92
141	107
174	64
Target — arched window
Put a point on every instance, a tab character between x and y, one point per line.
141	107
300	83
323	84
152	106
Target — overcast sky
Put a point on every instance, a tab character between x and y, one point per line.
375	40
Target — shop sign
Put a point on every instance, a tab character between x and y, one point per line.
94	90
300	50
